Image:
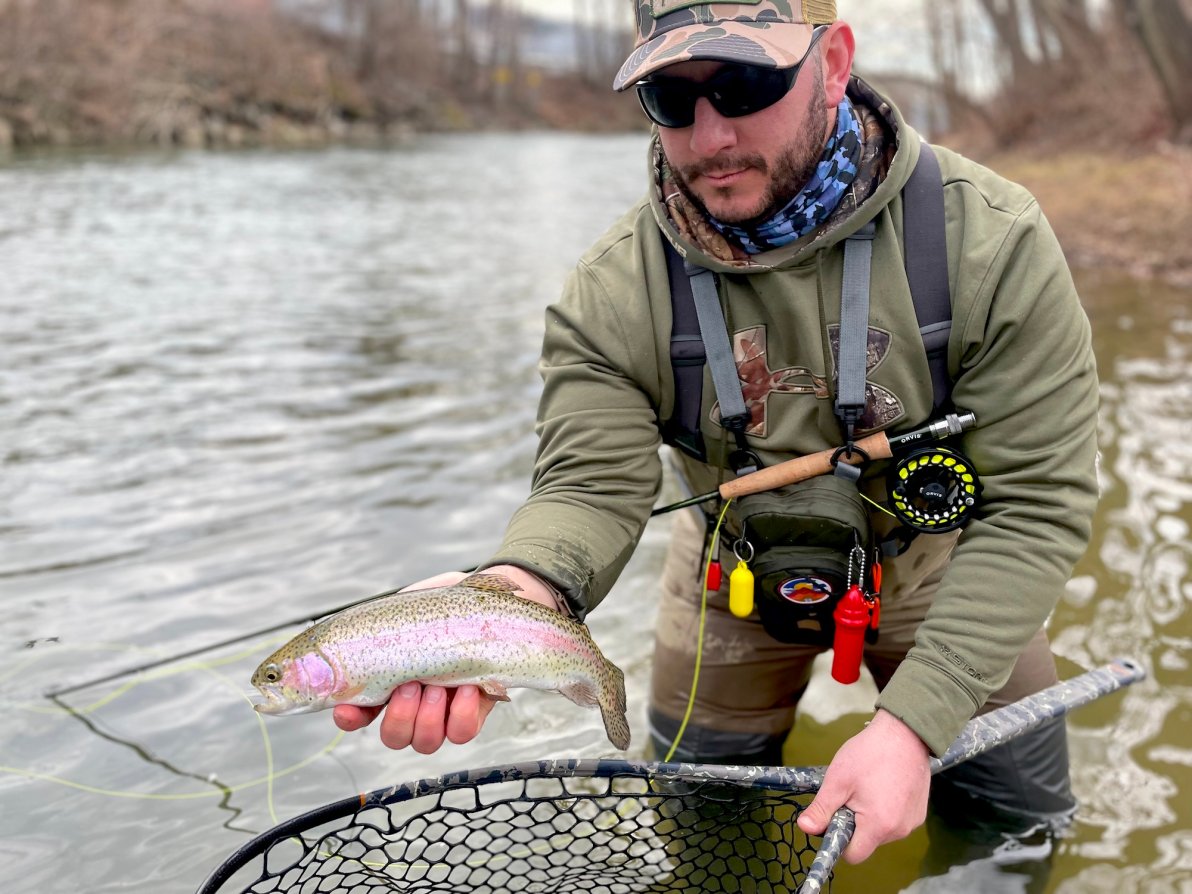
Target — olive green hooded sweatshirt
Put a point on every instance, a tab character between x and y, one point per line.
1019	357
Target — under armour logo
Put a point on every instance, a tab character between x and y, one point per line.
758	381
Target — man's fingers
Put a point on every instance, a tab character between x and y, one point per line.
469	708
430	725
397	726
816	816
859	848
350	718
422	716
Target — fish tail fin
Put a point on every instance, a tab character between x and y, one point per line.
613	706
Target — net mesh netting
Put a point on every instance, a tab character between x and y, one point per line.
608	827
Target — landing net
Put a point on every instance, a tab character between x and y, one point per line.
619	827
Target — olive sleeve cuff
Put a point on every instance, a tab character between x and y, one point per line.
929	700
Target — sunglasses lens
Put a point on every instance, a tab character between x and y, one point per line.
734	91
668	102
743	90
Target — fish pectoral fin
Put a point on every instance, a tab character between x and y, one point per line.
582	692
347	692
494	690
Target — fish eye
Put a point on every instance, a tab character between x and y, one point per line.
271	674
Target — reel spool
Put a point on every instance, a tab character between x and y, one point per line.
933	489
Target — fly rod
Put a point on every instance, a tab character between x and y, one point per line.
982	734
876	446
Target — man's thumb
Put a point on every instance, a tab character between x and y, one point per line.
814	818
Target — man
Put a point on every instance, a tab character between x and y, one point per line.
768	154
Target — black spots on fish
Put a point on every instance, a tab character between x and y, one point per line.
614	680
613	707
617	728
615	722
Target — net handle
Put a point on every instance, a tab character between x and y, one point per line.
980	735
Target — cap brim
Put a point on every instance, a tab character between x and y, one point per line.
766	44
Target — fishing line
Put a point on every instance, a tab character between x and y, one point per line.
876	505
271	774
182	796
35	708
713	545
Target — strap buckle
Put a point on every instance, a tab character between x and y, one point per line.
848	471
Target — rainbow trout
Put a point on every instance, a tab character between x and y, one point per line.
476	631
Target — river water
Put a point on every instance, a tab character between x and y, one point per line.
240	389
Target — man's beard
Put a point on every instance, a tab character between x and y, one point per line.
791	169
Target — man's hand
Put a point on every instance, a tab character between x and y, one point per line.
882	773
426	716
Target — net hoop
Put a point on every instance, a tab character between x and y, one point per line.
740	790
787	780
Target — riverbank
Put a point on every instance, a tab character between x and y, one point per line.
224	73
1122	211
194	118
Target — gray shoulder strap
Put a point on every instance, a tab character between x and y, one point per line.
854	328
714	333
924	238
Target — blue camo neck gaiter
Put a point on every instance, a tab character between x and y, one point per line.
836	170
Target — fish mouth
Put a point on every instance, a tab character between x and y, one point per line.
278	705
282	709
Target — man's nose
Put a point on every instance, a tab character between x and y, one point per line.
711	132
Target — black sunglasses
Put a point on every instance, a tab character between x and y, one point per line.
734	91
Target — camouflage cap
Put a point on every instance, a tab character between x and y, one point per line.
770	33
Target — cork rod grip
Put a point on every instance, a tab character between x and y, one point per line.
877	446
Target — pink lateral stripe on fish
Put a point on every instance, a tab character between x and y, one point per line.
477	631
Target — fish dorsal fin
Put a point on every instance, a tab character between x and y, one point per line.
491	583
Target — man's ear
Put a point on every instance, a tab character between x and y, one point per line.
838	45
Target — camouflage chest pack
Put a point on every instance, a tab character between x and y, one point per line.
803	539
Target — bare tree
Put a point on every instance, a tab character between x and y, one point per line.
503	73
1005	16
464	54
1165	32
584	49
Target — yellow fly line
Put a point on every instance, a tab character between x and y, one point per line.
208	667
713	545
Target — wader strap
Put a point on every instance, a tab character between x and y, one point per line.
854	329
723	367
687	362
926	254
926	261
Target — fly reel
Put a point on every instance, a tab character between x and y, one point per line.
933	489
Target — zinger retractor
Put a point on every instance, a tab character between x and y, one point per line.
933	489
